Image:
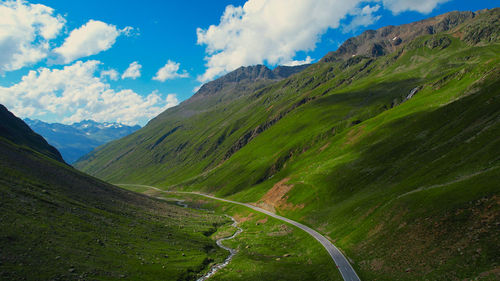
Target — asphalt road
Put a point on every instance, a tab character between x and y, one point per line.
340	260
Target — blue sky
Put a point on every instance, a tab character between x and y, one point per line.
56	55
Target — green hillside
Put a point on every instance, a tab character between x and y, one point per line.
389	146
15	130
60	224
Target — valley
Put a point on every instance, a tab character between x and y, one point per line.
65	225
391	153
378	161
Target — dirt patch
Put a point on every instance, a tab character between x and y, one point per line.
290	206
241	219
276	197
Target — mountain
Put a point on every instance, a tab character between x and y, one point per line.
60	224
388	145
80	138
195	121
16	131
387	40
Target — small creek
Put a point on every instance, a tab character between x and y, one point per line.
232	252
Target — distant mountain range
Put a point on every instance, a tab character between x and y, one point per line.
78	139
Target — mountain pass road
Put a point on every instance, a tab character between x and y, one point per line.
340	260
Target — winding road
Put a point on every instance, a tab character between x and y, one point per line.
345	268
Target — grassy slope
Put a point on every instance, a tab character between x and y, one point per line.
15	130
406	189
350	182
179	143
445	137
59	224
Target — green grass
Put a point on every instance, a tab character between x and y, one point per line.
59	224
268	249
407	188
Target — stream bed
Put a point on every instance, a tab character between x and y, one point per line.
232	252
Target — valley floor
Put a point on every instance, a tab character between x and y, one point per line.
267	248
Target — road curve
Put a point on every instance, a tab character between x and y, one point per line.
345	268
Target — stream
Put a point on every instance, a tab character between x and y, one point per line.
232	252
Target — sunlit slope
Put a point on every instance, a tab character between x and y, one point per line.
190	138
228	113
392	154
414	187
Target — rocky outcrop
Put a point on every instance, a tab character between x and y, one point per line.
248	74
387	39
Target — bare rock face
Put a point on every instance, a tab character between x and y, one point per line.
387	39
249	74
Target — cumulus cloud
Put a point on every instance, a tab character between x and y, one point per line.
25	32
422	6
267	31
111	74
90	39
362	17
273	31
307	60
170	71
75	93
133	71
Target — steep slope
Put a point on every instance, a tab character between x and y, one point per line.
16	131
78	139
393	154
191	137
59	224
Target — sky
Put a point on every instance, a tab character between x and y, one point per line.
127	61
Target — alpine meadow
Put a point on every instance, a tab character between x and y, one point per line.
379	161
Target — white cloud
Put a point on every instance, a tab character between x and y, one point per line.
273	31
75	93
422	6
90	39
133	71
111	74
130	31
25	32
307	60
362	17
170	71
267	31
197	88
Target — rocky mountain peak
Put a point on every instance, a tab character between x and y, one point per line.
387	39
248	74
